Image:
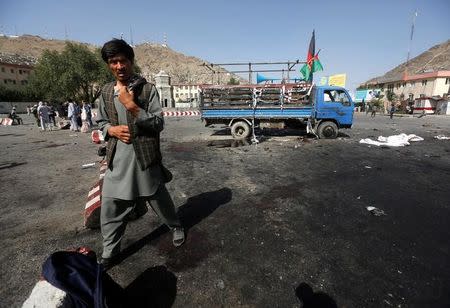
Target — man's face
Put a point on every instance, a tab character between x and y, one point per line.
121	67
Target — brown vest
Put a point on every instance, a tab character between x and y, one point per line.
146	147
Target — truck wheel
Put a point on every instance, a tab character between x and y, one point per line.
240	130
327	130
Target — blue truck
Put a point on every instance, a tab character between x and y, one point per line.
322	110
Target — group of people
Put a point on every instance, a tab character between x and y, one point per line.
80	117
44	114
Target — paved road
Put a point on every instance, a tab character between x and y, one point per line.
271	225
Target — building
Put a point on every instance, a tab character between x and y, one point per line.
15	70
431	84
186	95
162	83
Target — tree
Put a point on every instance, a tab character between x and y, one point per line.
391	96
76	73
233	81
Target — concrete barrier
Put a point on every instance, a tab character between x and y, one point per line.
181	113
6	121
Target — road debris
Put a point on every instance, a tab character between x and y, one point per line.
393	141
85	166
441	137
375	211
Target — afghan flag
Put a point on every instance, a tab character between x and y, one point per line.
312	61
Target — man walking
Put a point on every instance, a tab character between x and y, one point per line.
131	121
72	114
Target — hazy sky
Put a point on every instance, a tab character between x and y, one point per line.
363	39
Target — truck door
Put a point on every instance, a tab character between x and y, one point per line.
335	103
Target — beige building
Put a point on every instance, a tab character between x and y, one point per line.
430	84
186	95
15	70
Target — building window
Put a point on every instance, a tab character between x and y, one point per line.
447	80
20	72
404	84
12	70
14	82
424	82
411	96
5	81
3	69
422	95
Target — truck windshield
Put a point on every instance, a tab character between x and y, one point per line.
336	96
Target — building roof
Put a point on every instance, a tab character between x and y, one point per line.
382	80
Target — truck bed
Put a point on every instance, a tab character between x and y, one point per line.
266	112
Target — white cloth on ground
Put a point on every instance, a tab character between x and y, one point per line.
393	141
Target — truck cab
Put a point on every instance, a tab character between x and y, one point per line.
332	109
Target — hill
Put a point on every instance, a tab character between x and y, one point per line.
150	57
437	58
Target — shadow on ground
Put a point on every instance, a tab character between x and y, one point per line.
155	287
311	299
191	213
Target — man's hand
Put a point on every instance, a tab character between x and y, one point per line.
121	132
127	99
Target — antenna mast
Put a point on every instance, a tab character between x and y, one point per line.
410	43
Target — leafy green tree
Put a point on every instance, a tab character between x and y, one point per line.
233	81
76	72
10	94
391	96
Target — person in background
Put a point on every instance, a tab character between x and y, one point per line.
43	116
52	115
13	116
73	116
88	108
35	114
392	110
84	119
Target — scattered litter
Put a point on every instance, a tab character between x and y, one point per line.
393	141
73	135
359	197
375	211
88	165
367	167
220	284
442	137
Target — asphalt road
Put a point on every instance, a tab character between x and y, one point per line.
278	224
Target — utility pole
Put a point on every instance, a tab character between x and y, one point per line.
410	43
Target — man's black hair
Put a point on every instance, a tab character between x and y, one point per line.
115	47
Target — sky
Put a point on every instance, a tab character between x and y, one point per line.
362	39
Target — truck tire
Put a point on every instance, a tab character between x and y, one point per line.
240	130
327	130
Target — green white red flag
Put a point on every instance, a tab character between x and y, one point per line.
312	61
